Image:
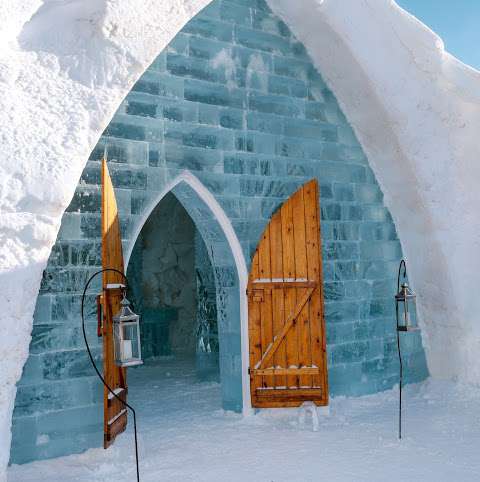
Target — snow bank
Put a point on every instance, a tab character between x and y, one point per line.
65	67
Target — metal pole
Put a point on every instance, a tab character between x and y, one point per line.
400	385
402	263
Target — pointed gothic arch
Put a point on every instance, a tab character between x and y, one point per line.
231	275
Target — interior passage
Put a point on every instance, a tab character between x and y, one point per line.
173	289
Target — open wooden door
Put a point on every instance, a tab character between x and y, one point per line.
285	307
115	413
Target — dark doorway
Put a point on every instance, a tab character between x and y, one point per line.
173	287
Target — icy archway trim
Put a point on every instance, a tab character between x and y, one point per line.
222	219
217	211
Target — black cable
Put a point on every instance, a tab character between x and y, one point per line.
402	263
95	366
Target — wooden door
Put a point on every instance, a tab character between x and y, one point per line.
285	307
114	412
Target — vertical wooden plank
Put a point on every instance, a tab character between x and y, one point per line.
312	224
254	328
112	257
301	272
288	256
255	269
265	272
278	300
321	301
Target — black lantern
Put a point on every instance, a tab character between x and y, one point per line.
405	308
406	314
126	335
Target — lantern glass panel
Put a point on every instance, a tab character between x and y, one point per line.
130	341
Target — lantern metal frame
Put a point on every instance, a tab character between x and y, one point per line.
404	296
126	318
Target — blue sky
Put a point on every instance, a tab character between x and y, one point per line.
457	22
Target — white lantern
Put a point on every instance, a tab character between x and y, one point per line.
126	336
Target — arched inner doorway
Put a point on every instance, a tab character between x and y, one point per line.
173	281
183	269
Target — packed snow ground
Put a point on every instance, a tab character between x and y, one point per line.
185	436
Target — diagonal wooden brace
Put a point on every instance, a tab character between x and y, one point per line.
267	356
